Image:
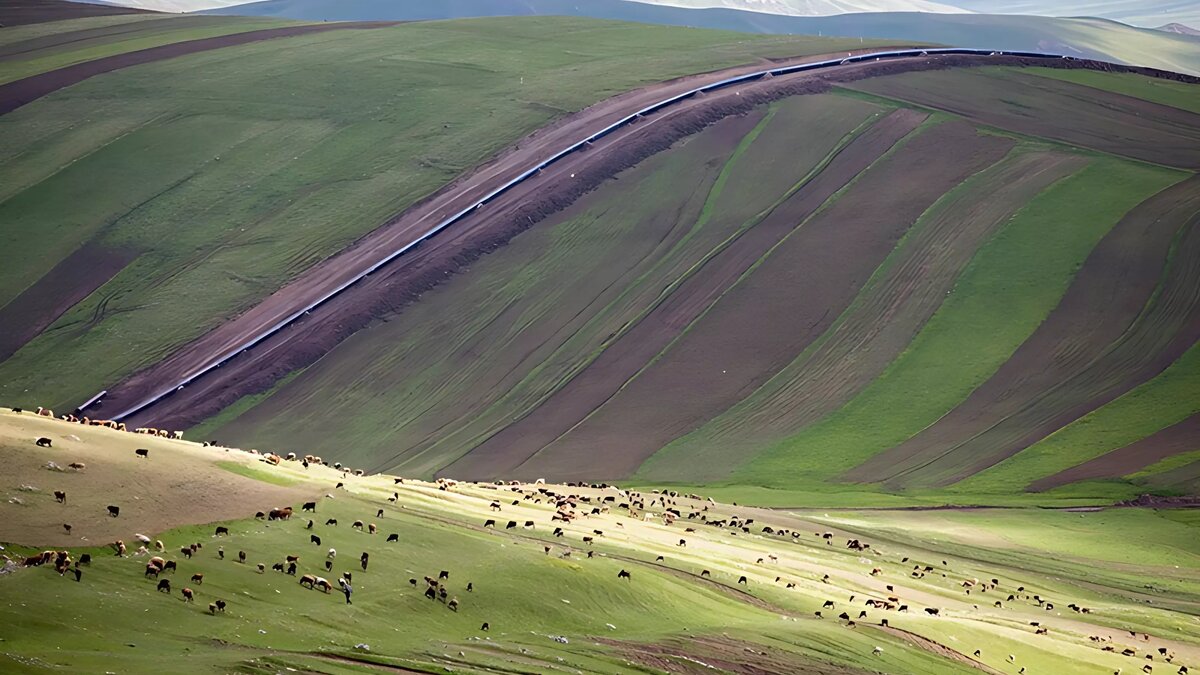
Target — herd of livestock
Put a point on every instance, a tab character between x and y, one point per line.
568	506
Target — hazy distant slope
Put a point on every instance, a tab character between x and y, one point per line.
813	7
1136	12
1105	40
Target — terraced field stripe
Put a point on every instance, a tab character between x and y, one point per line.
898	300
1122	321
621	360
1025	268
755	179
783	301
1056	110
1175	439
1146	410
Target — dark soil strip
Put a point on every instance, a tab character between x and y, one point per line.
1115	328
25	48
13	95
21	12
1063	111
516	443
768	318
1176	439
68	282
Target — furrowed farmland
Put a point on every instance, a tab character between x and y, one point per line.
562	345
723	323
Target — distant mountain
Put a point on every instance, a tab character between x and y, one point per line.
813	7
1179	28
1090	38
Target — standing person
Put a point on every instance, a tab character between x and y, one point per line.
347	589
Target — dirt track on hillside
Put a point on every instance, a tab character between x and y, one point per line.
404	280
15	94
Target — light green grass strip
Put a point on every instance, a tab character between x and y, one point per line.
1154	405
1013	283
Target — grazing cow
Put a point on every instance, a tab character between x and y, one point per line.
44	442
328	565
61	498
67	527
185	551
358	525
261	568
705	573
220	605
624	575
529	524
742	580
511	525
152	571
114	511
278	567
682	542
164	585
309	506
931	611
241	556
260	515
442	575
364	559
587	540
280	514
331	521
324	584
144	453
221	530
453	604
489	523
430	593
309	526
558	532
393	537
188	595
371	528
314	539
78	466
485	627
308	580
198	578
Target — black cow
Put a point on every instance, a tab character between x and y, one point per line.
114	511
44	442
221	530
309	506
314	539
144	453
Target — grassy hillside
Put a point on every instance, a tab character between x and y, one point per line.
550	613
1092	38
203	183
819	308
39	48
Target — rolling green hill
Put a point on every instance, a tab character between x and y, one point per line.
144	206
706	338
1085	37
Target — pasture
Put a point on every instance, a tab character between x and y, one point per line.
548	612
